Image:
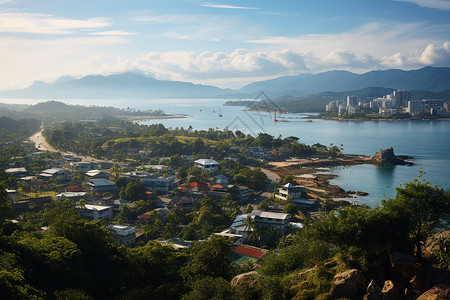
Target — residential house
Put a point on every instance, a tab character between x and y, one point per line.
56	174
75	196
123	235
291	191
17	172
12	194
96	212
207	164
82	166
102	185
96	174
262	219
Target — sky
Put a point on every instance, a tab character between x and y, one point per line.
226	43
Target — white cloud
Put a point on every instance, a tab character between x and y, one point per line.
228	6
438	4
436	55
46	24
114	32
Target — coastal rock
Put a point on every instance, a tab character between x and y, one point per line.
391	291
373	292
432	243
386	157
249	283
349	284
436	293
403	267
428	276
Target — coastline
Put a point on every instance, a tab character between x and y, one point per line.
313	174
146	118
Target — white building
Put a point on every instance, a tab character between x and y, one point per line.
96	212
401	98
207	164
96	174
262	219
353	100
291	191
160	183
102	185
124	235
416	108
82	166
56	174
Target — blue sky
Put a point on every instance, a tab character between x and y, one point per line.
225	43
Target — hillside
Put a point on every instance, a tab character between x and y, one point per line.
428	78
126	85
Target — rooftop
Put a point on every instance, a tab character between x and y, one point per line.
250	251
205	161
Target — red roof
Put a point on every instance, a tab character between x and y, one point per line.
177	200
144	216
148	193
75	189
250	251
165	200
197	184
217	187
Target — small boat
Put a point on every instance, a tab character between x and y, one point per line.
220	116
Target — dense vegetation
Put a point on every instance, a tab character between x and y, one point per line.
76	258
52	111
112	137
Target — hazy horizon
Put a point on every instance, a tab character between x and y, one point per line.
225	43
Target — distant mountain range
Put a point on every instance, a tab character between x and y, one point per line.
131	85
118	86
428	78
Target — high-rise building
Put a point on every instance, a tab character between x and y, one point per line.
400	98
353	100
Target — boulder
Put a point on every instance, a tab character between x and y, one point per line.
349	284
249	284
391	291
428	276
373	292
432	243
386	157
403	266
436	293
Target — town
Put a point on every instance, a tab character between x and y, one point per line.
397	105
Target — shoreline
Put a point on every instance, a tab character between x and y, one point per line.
146	118
313	174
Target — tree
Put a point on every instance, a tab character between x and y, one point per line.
133	191
209	259
253	235
422	207
5	205
289	179
211	288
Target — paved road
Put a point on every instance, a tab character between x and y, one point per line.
39	140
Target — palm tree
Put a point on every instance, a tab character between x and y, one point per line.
253	235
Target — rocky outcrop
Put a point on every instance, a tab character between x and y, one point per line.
428	276
249	284
436	293
373	292
349	284
391	291
403	266
432	243
386	157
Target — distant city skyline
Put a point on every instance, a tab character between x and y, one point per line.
223	43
